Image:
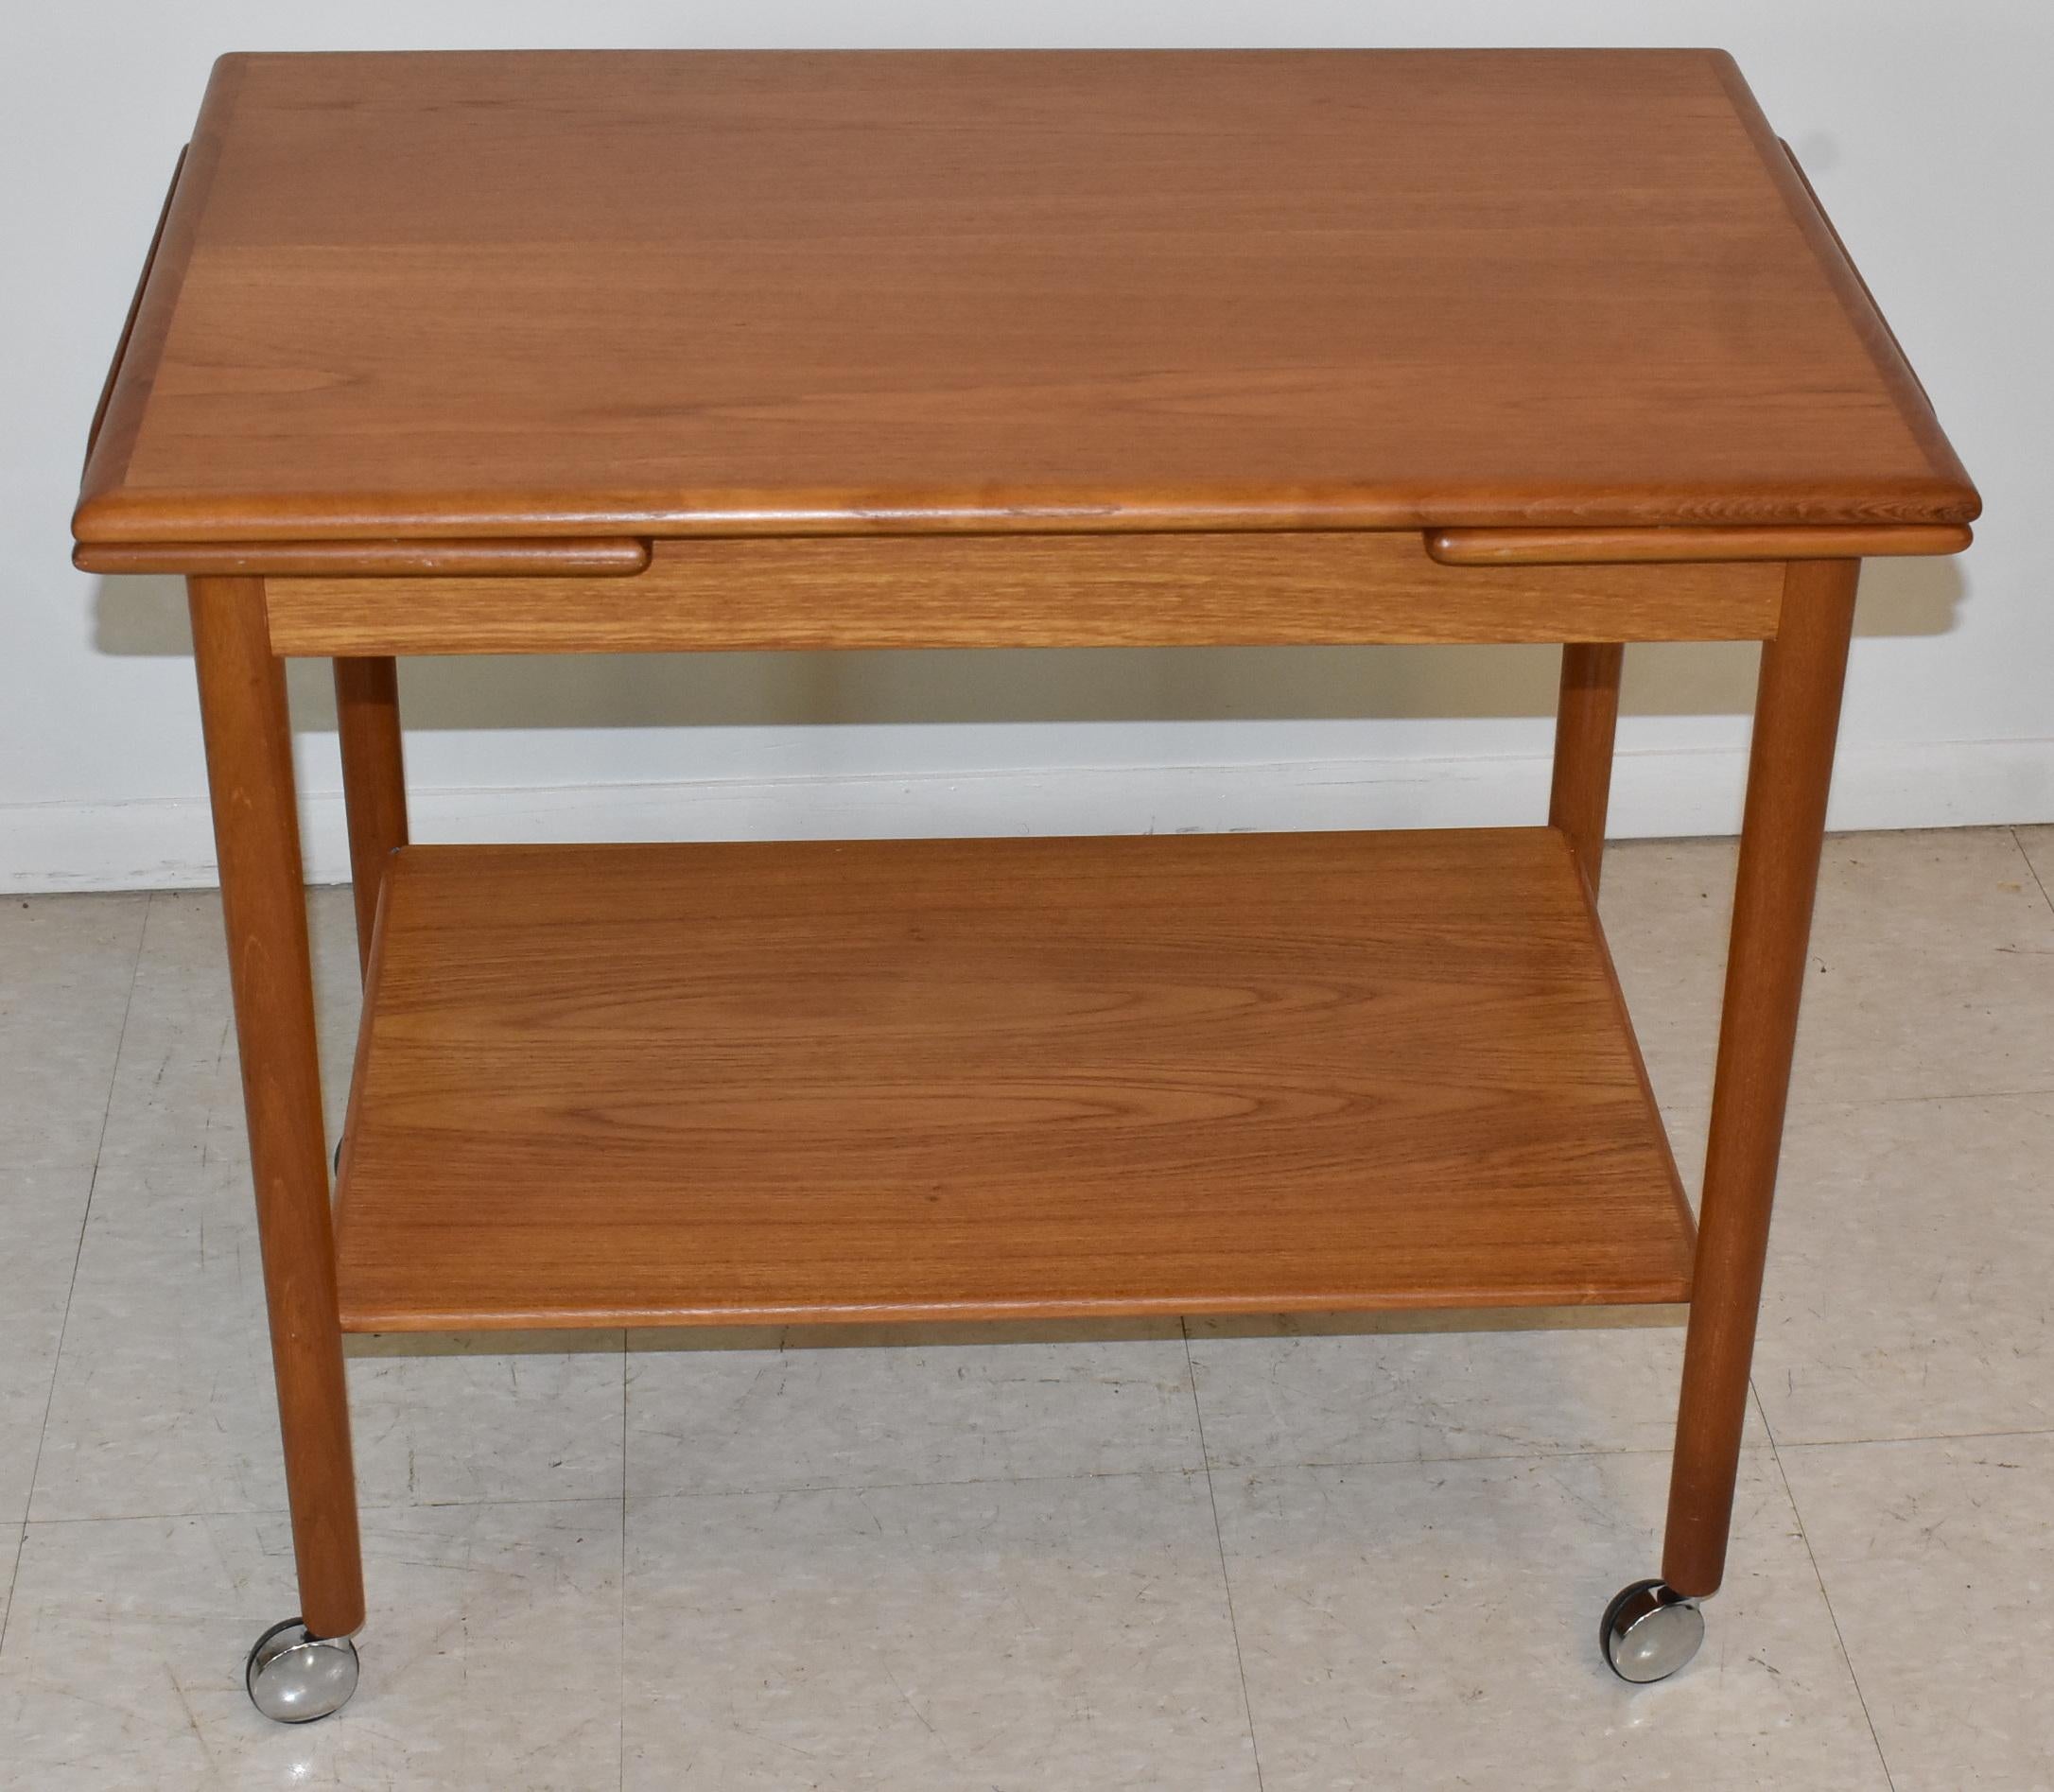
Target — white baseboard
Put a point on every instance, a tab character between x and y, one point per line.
159	845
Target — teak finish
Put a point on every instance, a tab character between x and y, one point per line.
975	1078
135	305
1586	722
1700	546
242	712
373	781
1026	591
962	349
592	557
1796	716
551	293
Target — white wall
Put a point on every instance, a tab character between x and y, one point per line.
1927	130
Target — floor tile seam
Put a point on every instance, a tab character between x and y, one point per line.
1819	1577
14	1574
2046	895
40	1165
71	1286
1818	1104
1219	1540
282	1511
1324	1463
771	1491
1915	1438
635	1497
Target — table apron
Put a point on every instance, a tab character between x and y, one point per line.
1164	590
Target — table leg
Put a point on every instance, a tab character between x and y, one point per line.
1796	718
373	780
242	707
1586	720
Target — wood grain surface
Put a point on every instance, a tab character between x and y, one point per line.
1659	546
373	781
607	1085
1235	589
674	292
248	736
1586	728
1797	717
135	305
589	557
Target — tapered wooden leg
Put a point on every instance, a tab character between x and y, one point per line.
373	780
1796	716
242	707
1586	720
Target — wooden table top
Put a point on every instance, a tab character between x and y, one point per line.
667	293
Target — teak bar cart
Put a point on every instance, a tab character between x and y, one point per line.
667	352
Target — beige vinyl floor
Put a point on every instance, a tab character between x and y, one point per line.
1286	1556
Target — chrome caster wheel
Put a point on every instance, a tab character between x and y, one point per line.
1649	1631
294	1678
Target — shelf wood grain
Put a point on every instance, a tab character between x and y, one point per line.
971	1079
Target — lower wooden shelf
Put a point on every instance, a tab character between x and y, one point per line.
971	1079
